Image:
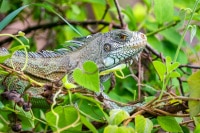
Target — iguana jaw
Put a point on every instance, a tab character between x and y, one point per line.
127	52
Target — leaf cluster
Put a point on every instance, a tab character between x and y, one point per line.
166	78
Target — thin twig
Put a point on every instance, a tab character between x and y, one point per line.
120	103
190	66
139	79
181	86
170	114
178	98
154	51
163	28
150	111
183	123
133	75
125	123
119	14
106	10
143	109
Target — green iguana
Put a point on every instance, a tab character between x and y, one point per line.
107	50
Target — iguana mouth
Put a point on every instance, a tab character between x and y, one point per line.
129	60
127	57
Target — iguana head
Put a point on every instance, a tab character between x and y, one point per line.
121	46
109	49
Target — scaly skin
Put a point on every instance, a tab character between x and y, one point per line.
107	50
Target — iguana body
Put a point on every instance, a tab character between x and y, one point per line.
106	50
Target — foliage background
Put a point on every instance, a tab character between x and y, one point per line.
164	23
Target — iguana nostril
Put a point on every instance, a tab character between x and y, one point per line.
143	36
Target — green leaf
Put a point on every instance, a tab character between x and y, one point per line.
5	57
124	129
169	124
132	21
173	66
2	72
67	84
88	77
25	117
114	69
20	33
197	129
140	12
186	129
168	62
1	1
196	120
102	2
172	36
149	98
143	125
116	129
160	68
91	99
50	9
174	75
1	105
117	116
194	85
4	121
67	116
5	6
18	47
91	110
76	9
111	129
88	124
163	10
155	43
193	30
10	17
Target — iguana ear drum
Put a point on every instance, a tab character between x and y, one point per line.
107	47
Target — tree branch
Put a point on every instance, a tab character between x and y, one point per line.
60	23
190	66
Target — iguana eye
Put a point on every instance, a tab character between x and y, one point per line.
122	37
107	47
